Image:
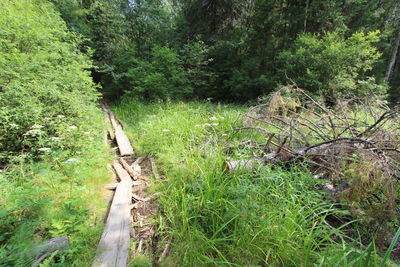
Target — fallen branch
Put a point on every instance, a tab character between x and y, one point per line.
165	252
43	251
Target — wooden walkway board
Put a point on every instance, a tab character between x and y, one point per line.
114	243
124	145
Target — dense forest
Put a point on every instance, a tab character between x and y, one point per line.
198	85
238	50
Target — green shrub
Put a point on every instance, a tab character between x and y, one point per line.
46	91
163	76
332	65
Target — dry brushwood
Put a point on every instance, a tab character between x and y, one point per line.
299	127
331	140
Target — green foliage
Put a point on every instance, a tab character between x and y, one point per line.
45	88
74	14
332	65
60	195
161	77
196	61
51	136
140	261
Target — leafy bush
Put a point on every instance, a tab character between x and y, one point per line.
59	195
331	64
163	76
45	89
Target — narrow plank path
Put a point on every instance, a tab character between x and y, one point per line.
132	213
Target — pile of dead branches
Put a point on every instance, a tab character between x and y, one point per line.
354	144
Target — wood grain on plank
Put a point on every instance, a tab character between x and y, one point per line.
134	173
113	246
124	145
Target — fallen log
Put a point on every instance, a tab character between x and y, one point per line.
113	246
137	169
139	160
43	251
247	164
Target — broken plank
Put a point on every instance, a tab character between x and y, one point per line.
112	250
129	169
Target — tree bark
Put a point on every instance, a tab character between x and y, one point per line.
41	252
393	58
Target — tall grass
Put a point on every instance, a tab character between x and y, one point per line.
272	217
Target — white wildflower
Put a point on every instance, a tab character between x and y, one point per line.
224	135
197	125
214	124
36	126
13	125
209	99
207	124
71	160
60	116
165	130
72	127
33	132
213	118
44	149
54	138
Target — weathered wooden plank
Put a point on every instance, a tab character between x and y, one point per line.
124	145
113	246
134	174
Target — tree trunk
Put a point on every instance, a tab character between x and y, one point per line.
393	58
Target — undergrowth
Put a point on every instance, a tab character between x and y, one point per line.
62	194
276	216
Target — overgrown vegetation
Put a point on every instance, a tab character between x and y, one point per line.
277	216
52	156
53	53
46	89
